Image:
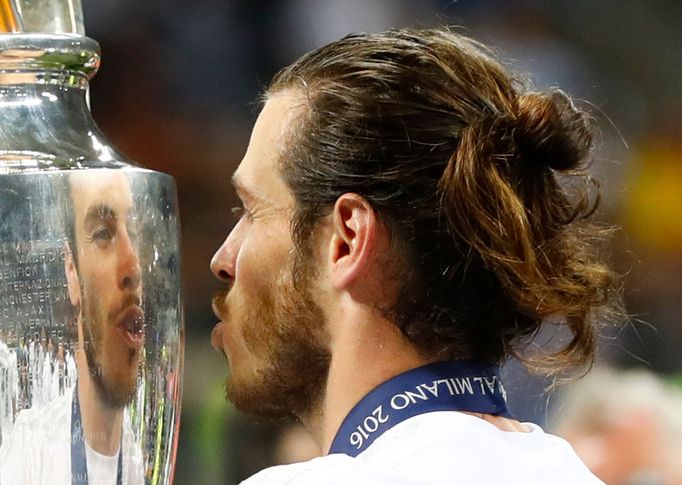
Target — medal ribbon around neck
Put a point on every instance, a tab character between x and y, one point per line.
458	385
79	469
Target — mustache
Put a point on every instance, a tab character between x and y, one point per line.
218	303
129	300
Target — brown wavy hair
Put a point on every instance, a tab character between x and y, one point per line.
481	182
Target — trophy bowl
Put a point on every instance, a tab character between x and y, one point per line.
91	319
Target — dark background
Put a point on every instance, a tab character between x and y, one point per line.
176	93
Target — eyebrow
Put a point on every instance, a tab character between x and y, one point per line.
236	183
98	212
241	189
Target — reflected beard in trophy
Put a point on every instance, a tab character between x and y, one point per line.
113	367
284	331
104	283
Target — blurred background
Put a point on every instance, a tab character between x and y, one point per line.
177	90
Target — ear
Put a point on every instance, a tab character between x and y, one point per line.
353	244
72	281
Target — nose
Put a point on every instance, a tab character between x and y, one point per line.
223	263
128	263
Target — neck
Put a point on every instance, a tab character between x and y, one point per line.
101	425
367	351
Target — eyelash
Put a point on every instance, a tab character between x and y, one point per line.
101	237
102	234
239	212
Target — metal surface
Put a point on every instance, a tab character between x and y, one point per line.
45	16
89	281
9	17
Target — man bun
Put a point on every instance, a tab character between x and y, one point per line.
550	131
500	199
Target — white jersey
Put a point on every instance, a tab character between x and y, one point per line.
38	450
443	447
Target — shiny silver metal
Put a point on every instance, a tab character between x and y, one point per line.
91	318
45	16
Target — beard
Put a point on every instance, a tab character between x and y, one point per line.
285	329
111	393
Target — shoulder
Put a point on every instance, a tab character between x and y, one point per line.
39	435
299	473
51	421
443	447
334	469
452	446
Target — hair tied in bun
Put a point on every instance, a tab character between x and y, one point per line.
551	132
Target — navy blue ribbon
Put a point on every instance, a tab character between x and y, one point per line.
79	470
460	385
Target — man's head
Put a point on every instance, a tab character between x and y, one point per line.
103	276
423	145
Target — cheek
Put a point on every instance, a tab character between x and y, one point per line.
261	259
101	279
94	272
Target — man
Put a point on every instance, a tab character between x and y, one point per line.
86	436
104	285
625	425
403	232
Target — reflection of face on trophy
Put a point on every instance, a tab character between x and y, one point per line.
104	286
82	398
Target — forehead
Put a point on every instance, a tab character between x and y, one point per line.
90	188
258	171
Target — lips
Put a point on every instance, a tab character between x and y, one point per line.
216	334
132	326
216	337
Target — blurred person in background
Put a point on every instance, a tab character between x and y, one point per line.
412	214
626	426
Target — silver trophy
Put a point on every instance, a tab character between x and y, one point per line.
91	323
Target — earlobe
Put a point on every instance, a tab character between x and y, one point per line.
353	241
72	281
